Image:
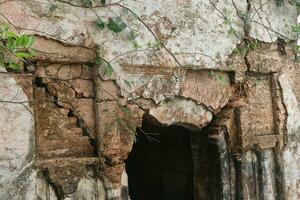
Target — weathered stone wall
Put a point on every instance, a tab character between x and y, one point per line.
18	177
67	127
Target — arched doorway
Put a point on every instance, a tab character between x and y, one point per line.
160	165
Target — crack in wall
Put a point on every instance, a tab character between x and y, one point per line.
56	188
247	28
81	123
72	111
85	130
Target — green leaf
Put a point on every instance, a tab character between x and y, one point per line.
31	41
28	41
211	74
119	121
156	46
136	45
253	45
11	34
4	28
2	61
296	29
292	2
10	43
100	24
116	25
103	2
258	82
127	83
52	7
108	70
23	41
87	3
85	67
33	52
19	41
279	2
22	55
222	79
126	110
13	65
132	35
98	60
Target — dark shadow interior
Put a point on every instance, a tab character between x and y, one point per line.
160	166
206	160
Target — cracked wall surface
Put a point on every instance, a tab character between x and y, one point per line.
17	173
229	66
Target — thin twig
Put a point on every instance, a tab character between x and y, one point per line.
225	18
152	33
149	137
82	6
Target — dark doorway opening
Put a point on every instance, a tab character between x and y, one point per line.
160	165
207	165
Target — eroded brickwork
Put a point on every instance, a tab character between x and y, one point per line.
67	127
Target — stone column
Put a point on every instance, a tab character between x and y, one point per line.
267	176
249	176
227	169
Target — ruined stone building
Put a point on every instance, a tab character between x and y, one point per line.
153	99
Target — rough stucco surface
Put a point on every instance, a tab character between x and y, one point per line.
253	114
190	20
17	177
211	39
69	24
269	22
217	92
87	121
291	154
184	112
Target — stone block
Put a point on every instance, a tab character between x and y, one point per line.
182	112
56	135
257	115
207	87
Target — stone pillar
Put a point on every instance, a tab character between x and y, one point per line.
124	187
267	174
290	155
90	187
227	169
249	176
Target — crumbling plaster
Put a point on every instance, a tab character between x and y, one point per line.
198	35
290	155
209	25
17	175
